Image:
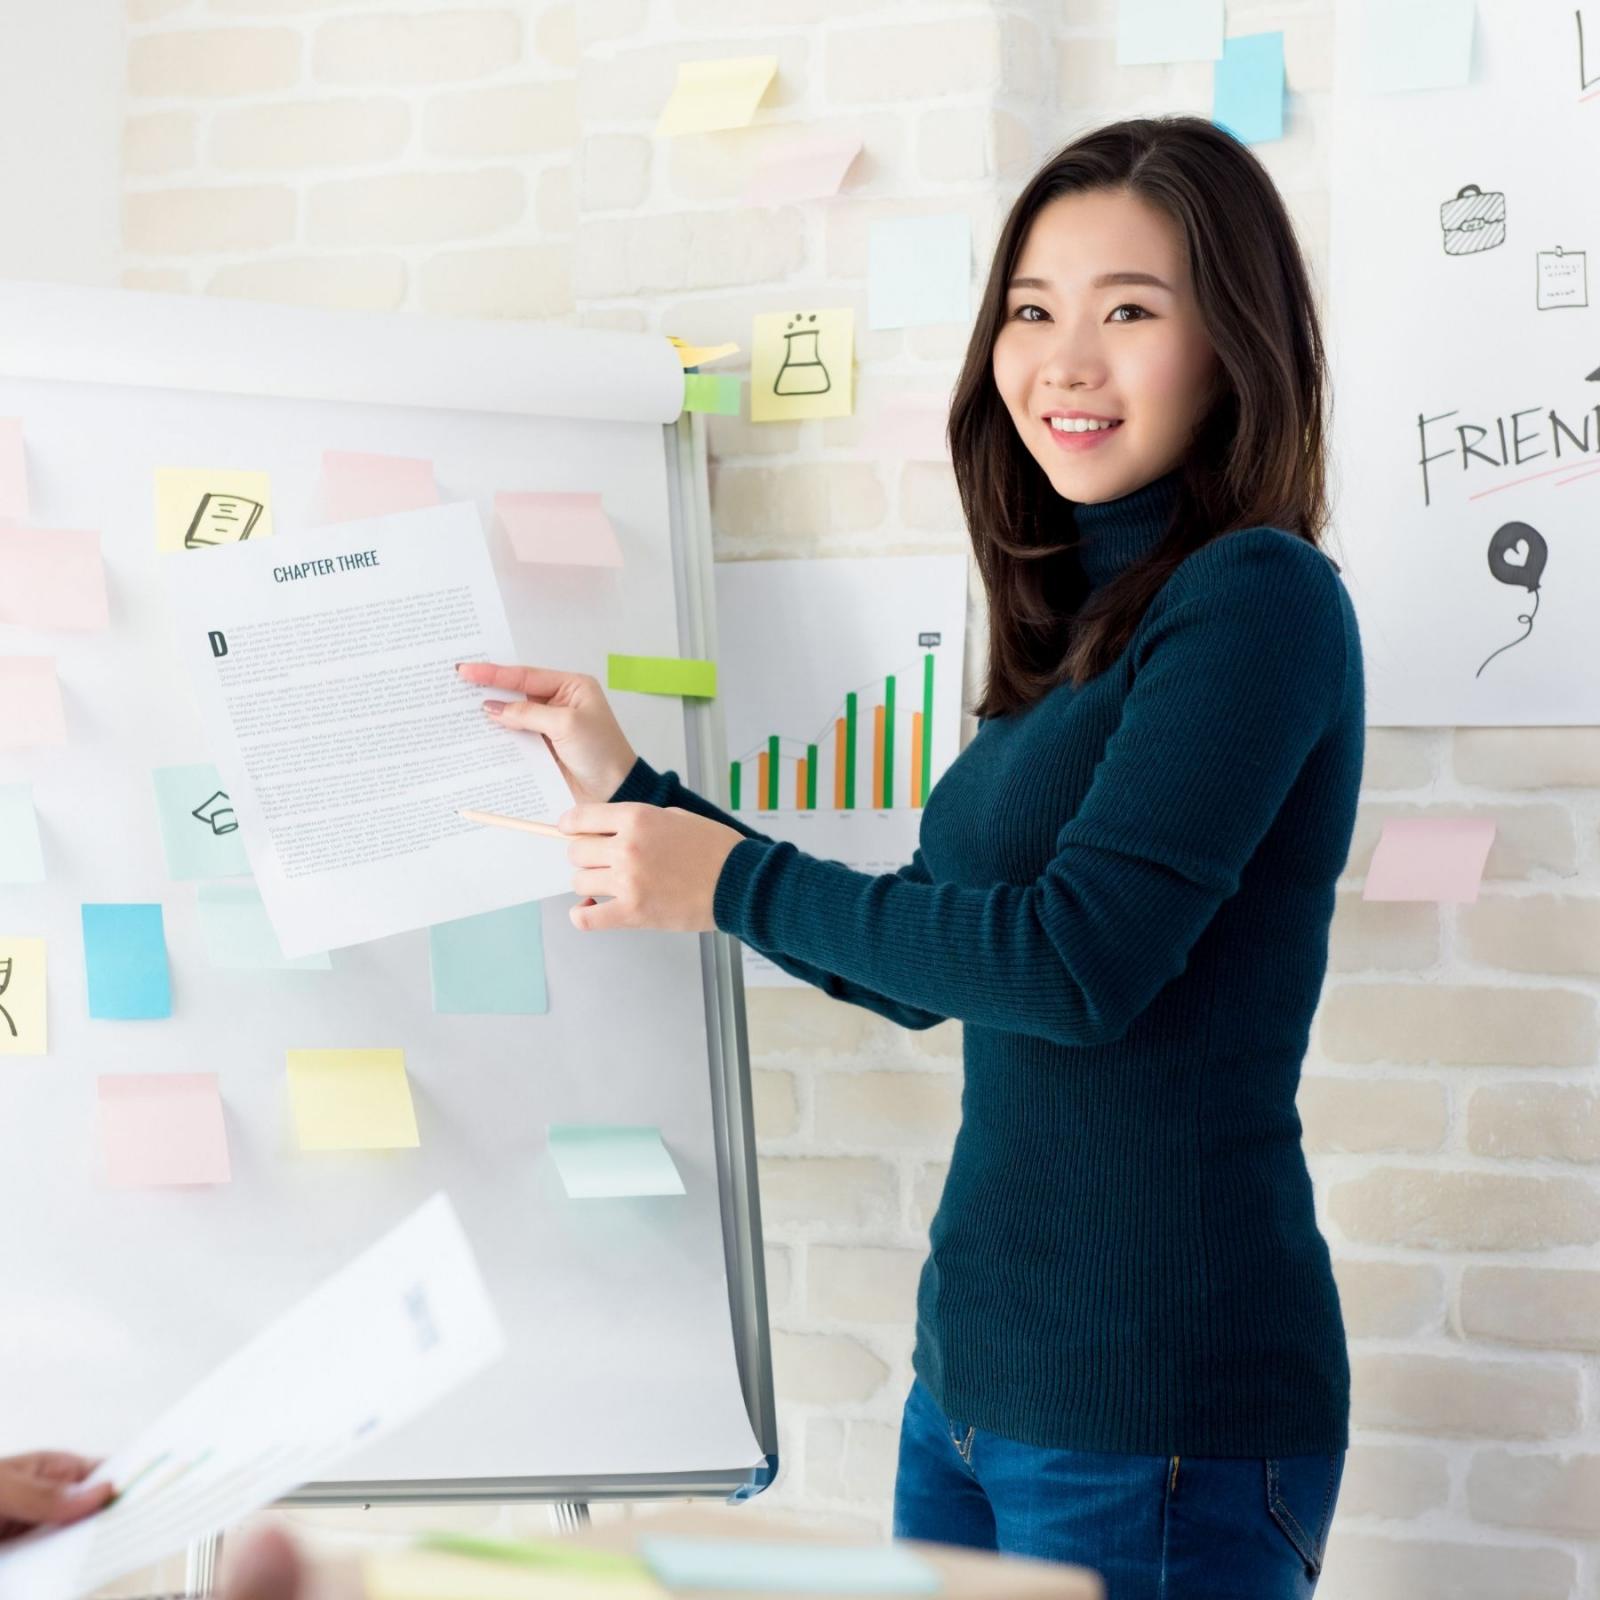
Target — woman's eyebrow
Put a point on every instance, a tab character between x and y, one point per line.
1105	281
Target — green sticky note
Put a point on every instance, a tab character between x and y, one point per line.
490	964
21	858
716	392
238	933
605	1163
198	825
125	955
554	1554
662	675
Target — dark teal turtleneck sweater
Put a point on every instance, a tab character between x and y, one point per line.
1124	893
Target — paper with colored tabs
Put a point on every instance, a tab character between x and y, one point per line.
1429	858
21	855
351	1100
1168	30
358	484
22	997
562	530
1416	44
764	1566
919	271
198	508
30	703
714	392
13	471
697	355
609	1163
125	957
812	169
160	1129
679	675
1247	88
489	965
801	364
52	578
709	95
441	1575
238	933
198	825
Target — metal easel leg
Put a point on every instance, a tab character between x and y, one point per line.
569	1516
200	1564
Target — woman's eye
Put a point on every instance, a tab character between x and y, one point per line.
1022	313
1129	306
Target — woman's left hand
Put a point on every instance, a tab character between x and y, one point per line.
658	865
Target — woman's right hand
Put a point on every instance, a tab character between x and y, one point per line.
572	713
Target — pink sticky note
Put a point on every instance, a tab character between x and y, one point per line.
912	427
30	703
13	472
812	169
1429	858
52	578
568	530
356	484
161	1128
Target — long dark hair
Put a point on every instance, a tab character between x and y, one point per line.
1257	456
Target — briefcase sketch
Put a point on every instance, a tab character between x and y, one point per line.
1473	221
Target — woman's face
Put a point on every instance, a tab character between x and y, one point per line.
1101	323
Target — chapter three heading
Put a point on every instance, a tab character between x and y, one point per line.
324	565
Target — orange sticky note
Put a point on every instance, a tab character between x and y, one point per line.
567	530
30	703
161	1128
52	578
1429	858
357	484
13	472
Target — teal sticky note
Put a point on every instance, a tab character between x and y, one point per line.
764	1566
238	933
919	271
1168	30
1247	88
21	857
606	1163
714	392
1416	44
125	957
198	825
490	964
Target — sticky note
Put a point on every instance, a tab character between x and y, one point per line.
811	169
764	1566
662	675
13	472
125	956
21	856
444	1575
800	364
697	355
714	392
607	1163
490	964
709	95
198	825
351	1100
52	578
30	703
238	933
565	530
912	426
161	1128
1247	88
1168	30
357	484
1416	44
553	1555
1429	858
198	508
919	271
22	990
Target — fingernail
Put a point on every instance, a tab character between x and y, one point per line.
494	707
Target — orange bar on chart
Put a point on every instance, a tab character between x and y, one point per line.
916	758
877	756
761	781
838	764
800	784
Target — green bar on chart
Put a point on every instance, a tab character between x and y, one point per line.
886	800
849	752
772	773
680	675
811	777
735	772
927	726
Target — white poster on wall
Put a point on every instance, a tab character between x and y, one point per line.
1466	365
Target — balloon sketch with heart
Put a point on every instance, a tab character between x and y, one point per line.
1517	556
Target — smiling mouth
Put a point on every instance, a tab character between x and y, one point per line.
1082	425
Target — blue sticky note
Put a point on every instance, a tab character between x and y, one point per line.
919	270
1416	44
607	1163
490	964
21	858
198	825
125	956
1168	30
238	932
764	1566
1247	88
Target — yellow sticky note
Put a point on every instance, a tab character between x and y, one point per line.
22	1011
716	94
198	507
800	365
699	355
436	1575
351	1100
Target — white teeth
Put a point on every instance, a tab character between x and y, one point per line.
1080	425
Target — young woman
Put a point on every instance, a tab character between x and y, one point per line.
1129	1351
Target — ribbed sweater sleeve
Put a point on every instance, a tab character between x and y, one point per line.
1238	668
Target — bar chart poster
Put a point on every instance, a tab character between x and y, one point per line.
840	683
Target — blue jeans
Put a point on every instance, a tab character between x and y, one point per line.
1153	1527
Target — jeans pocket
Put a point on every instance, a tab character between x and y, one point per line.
1301	1491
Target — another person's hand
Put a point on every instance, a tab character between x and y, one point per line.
264	1563
572	713
46	1487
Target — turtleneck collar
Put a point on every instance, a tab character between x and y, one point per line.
1113	534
